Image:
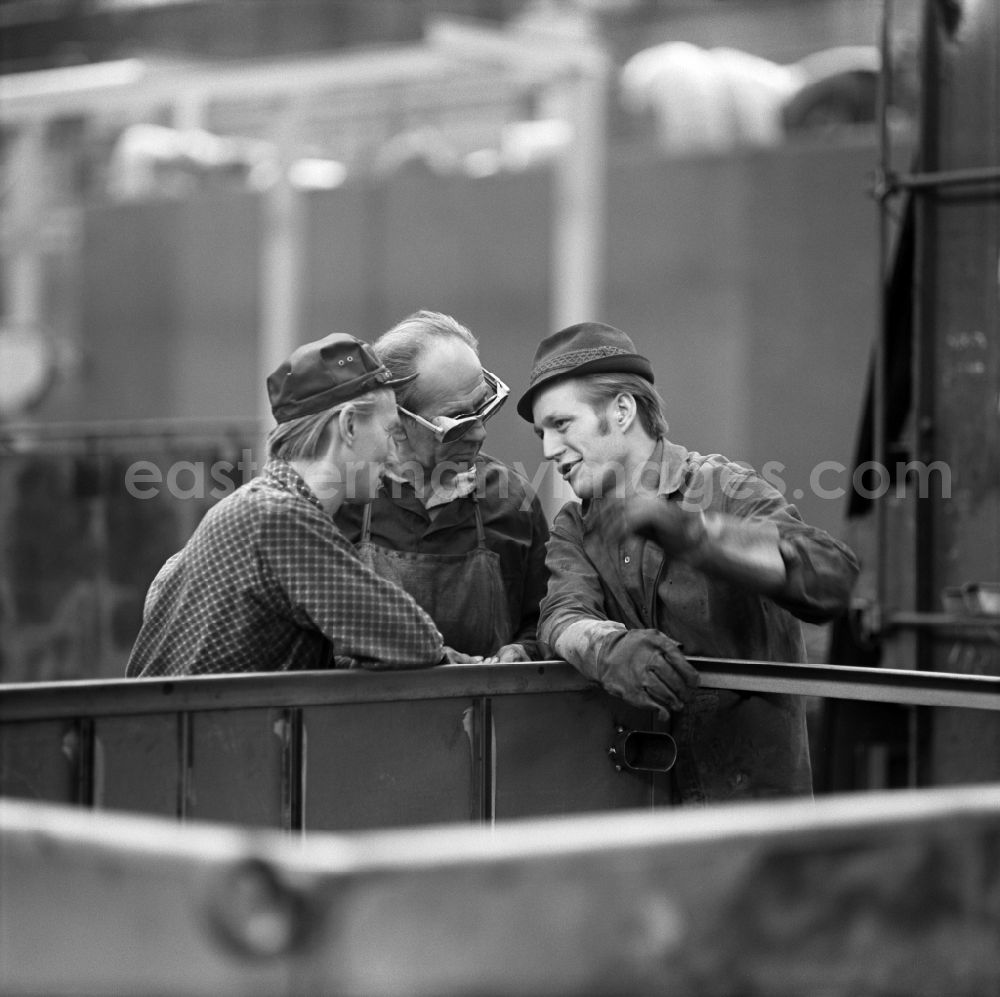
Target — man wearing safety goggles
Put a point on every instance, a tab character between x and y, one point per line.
462	532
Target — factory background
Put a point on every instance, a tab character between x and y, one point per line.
194	186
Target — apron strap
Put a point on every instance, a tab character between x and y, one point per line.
480	531
366	523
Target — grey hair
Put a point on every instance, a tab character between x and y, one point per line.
599	389
308	436
404	344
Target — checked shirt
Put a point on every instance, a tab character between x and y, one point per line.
268	583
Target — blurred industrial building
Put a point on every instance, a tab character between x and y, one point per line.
191	188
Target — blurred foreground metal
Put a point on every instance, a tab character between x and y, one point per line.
881	894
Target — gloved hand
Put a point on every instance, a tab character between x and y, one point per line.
677	528
646	668
746	552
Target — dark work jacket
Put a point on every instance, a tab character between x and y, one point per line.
514	522
730	745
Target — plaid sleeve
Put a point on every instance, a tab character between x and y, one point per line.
328	589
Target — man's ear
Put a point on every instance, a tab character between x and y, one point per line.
624	410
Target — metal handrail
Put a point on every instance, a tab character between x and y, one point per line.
118	697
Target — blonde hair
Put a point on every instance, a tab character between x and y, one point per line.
308	436
599	389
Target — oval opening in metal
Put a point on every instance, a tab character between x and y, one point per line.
647	751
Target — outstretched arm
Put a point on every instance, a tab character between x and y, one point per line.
756	540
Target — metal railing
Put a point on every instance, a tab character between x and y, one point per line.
355	749
116	697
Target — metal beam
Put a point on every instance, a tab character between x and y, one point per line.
117	697
878	685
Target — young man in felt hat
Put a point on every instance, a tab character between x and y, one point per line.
267	582
672	553
461	531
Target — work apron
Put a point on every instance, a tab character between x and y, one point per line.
463	594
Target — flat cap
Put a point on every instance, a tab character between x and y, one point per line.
325	373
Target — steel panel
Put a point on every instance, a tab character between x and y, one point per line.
137	764
236	766
551	755
376	765
38	760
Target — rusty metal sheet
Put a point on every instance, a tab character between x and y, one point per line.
371	765
39	760
137	763
235	764
551	755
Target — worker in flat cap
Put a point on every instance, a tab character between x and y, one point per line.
671	553
267	582
461	531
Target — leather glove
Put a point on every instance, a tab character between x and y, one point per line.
677	529
646	668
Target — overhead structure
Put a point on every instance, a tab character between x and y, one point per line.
322	110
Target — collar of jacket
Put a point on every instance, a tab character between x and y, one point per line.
668	462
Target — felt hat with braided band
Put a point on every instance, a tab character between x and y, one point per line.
328	372
586	348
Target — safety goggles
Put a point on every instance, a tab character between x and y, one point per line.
447	428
